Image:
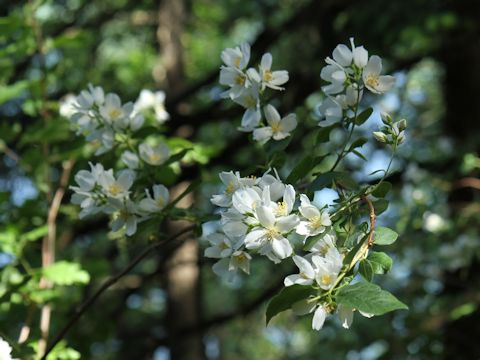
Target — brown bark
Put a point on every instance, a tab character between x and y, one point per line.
182	275
171	18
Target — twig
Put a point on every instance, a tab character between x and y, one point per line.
48	253
112	280
372	220
468	182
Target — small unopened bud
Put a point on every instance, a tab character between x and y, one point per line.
380	136
402	124
386	119
401	138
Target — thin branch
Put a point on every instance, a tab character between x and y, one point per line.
112	280
372	220
468	182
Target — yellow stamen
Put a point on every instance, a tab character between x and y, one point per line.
271	234
282	208
115	189
114	113
154	157
240	80
316	222
373	81
267	75
230	188
276	127
237	61
326	279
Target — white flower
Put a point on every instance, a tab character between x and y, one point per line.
237	57
5	350
266	77
327	268
130	159
306	275
345	315
113	111
246	200
157	203
278	129
152	100
319	317
233	182
232	258
336	76
116	188
373	80
85	195
236	79
314	221
249	99
269	236
125	216
67	105
324	244
88	98
154	155
276	186
330	111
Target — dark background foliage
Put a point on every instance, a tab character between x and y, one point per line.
54	47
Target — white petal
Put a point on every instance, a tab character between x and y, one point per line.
319	318
266	62
271	114
342	55
286	223
304	266
265	216
346	316
360	56
282	248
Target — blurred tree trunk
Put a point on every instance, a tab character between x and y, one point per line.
171	23
182	271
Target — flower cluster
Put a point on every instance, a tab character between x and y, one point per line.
247	87
100	191
259	215
105	121
392	133
348	72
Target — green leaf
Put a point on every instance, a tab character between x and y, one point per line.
324	134
384	236
381	262
358	143
325	180
35	234
303	168
382	189
363	116
369	298
380	206
366	270
177	157
286	298
273	146
9	92
359	154
66	273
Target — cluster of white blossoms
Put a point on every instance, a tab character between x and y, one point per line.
246	88
258	216
5	350
100	191
348	72
392	133
104	120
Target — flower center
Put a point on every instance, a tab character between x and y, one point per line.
155	157
250	102
237	61
240	80
115	189
326	279
276	127
230	188
267	76
316	222
271	234
114	113
373	81
282	208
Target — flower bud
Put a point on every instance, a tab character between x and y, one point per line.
402	124
380	136
386	118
